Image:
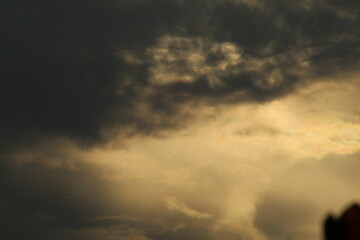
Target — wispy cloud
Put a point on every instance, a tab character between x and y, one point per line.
175	205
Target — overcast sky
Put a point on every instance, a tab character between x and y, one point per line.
177	119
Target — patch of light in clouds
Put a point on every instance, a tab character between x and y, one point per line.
228	162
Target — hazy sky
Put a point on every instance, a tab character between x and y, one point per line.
177	119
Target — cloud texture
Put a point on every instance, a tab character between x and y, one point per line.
78	68
82	75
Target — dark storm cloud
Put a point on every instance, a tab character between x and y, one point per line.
59	68
61	73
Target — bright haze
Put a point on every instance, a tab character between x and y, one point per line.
177	119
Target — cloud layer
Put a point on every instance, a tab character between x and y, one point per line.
81	77
79	68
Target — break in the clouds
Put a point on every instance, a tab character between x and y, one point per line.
232	80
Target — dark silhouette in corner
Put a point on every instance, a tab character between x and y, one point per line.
346	227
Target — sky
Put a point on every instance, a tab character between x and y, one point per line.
177	119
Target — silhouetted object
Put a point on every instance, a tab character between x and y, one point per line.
347	227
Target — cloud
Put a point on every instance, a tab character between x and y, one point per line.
60	70
185	60
258	128
299	199
43	201
67	192
179	206
77	74
58	203
82	69
286	217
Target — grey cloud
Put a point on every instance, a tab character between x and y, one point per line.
301	197
62	74
282	217
258	129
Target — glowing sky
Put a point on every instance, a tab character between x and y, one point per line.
176	119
